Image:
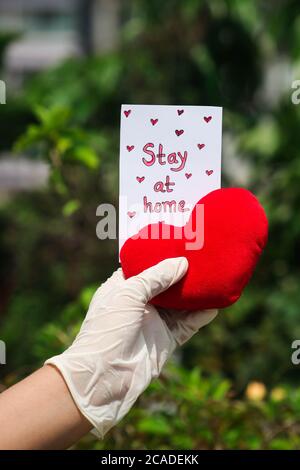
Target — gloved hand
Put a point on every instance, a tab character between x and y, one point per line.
124	342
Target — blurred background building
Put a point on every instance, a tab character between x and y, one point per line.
68	65
52	31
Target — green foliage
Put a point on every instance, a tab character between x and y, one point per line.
188	410
60	143
213	52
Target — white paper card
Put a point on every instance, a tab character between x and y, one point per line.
170	157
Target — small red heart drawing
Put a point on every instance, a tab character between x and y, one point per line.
178	132
209	172
207	118
130	147
235	233
140	179
180	112
131	214
188	175
153	121
127	112
200	146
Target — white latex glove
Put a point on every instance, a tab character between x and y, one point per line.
124	342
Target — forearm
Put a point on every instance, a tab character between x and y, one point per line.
122	345
39	413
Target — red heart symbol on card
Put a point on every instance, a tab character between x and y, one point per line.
131	214
209	172
130	147
140	179
188	175
127	112
235	231
153	121
180	112
178	132
207	118
200	146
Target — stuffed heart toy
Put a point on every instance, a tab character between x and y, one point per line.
233	231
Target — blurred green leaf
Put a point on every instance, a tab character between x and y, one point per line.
70	207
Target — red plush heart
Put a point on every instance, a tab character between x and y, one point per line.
235	234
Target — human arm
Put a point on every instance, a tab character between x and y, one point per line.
122	345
